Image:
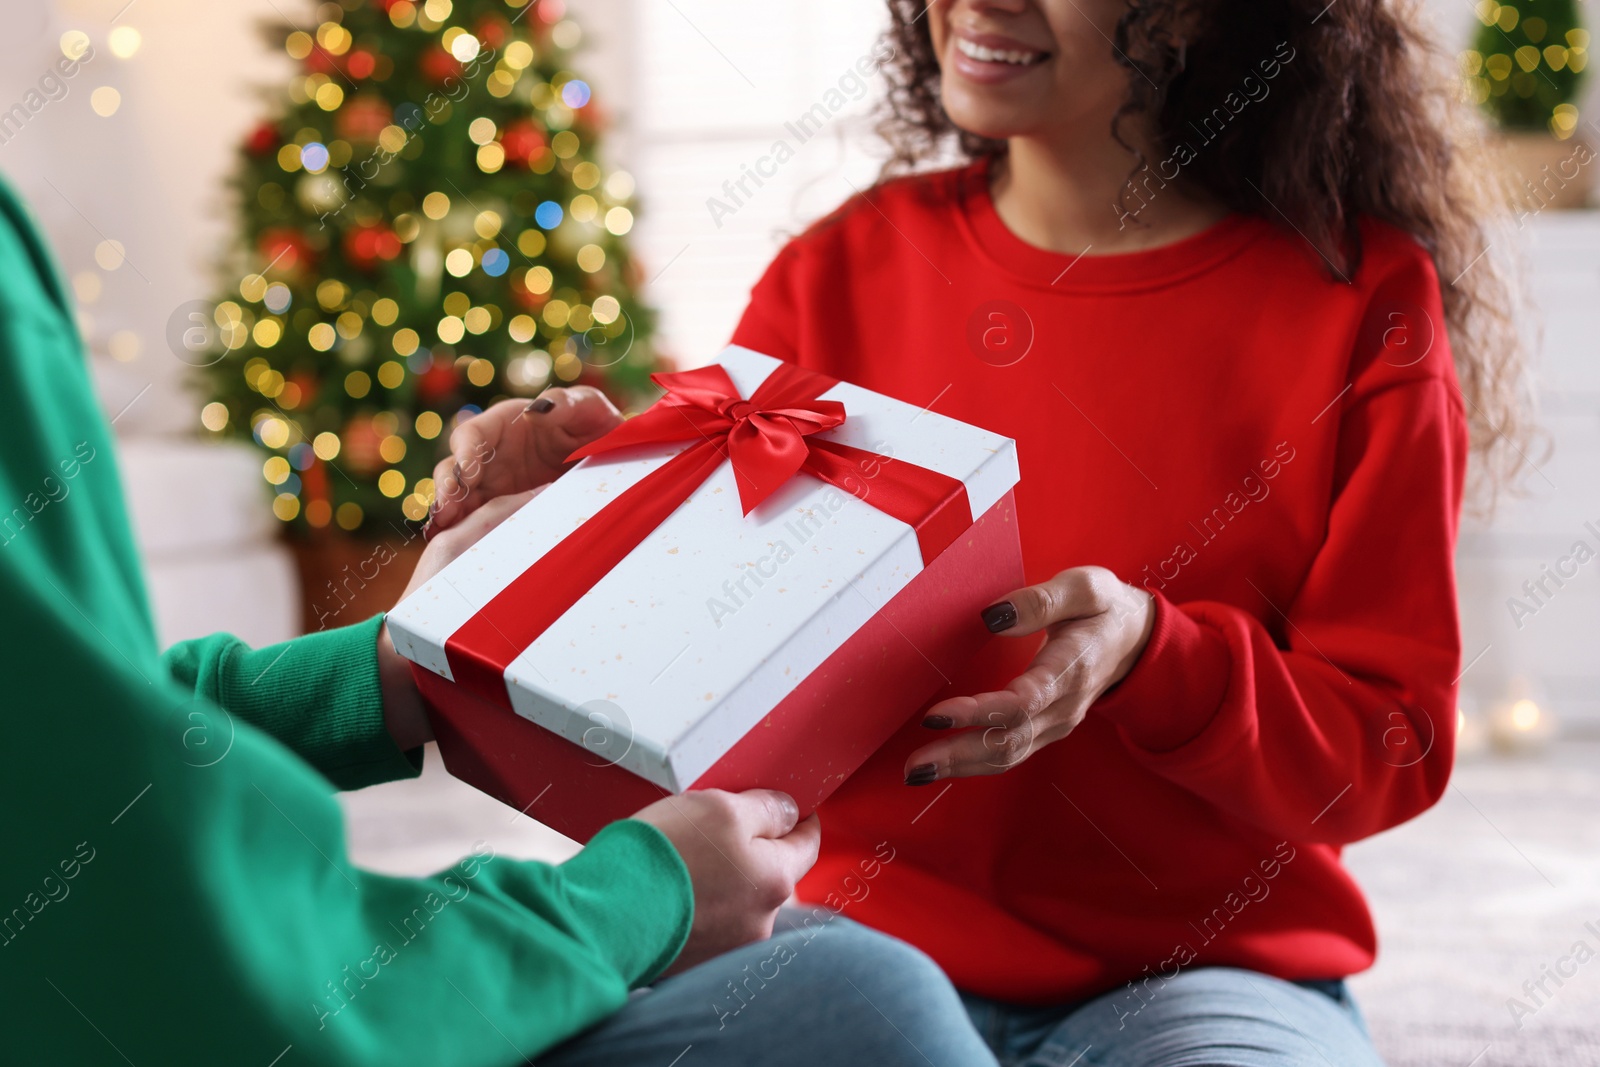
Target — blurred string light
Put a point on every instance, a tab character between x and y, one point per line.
109	254
575	93
1523	68
105	101
548	214
1522	724
124	41
314	157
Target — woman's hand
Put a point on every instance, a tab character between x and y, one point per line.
515	446
403	713
1096	628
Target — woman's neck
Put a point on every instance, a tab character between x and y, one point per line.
1078	198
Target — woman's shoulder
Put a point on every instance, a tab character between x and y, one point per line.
1389	252
1381	256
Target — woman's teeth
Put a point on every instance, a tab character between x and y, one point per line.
990	55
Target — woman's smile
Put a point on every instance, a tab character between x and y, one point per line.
989	58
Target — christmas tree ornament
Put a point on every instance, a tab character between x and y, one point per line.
263	141
363	119
284	250
366	246
360	441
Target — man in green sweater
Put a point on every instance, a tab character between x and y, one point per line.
175	882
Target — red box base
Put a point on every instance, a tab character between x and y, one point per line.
806	746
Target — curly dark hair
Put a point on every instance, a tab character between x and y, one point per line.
1366	121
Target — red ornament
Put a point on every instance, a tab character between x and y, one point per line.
366	246
437	381
287	250
314	482
318	61
363	119
521	139
493	31
361	64
359	447
439	66
263	140
308	384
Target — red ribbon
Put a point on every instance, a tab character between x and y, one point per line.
769	438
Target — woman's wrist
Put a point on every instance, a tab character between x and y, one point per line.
1136	614
404	715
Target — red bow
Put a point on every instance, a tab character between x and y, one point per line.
764	437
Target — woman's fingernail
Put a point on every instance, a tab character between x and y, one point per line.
922	774
1001	616
427	530
540	406
938	722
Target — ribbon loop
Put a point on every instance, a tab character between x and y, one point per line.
764	436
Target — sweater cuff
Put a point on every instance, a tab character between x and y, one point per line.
1175	689
633	893
362	752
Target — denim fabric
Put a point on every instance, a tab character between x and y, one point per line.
1207	1017
828	992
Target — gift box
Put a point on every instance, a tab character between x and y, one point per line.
753	583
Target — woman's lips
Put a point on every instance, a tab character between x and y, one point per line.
989	60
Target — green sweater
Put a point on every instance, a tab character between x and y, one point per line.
174	887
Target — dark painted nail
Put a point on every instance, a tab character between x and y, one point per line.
540	406
938	722
427	530
922	774
1001	616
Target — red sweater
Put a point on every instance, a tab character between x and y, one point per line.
1278	457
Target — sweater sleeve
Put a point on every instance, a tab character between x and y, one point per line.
156	869
318	694
1325	710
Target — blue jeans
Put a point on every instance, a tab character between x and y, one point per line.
828	992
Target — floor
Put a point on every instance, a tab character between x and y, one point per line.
1481	894
1491	889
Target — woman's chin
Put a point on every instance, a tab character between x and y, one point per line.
987	123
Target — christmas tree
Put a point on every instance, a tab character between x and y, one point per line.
1527	64
426	230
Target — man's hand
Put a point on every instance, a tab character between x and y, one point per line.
515	446
745	852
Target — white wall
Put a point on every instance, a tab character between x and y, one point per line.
1555	646
147	176
710	96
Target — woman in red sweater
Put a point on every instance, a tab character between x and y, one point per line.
1194	269
1193	266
